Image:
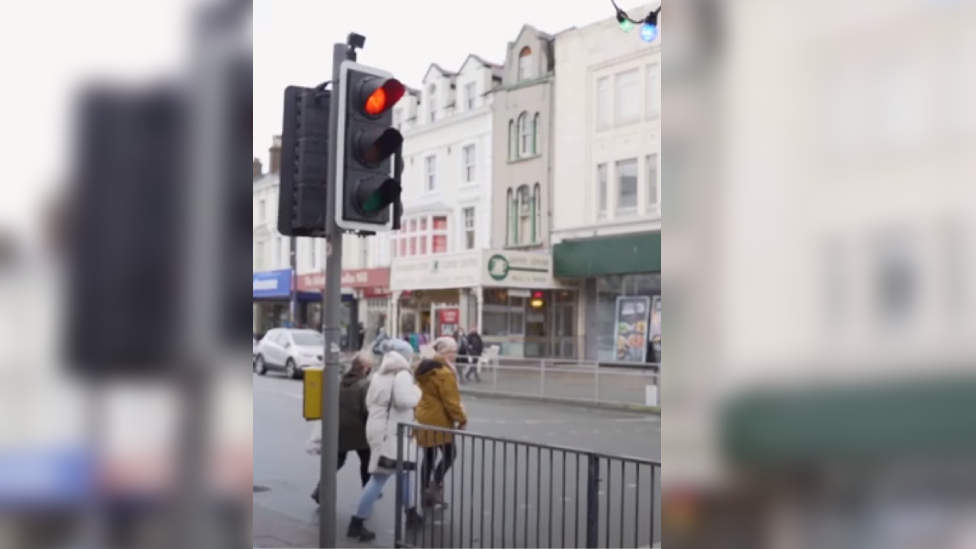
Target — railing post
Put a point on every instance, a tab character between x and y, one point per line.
398	505
596	383
494	376
542	379
593	502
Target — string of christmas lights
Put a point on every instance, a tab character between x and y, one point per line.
649	29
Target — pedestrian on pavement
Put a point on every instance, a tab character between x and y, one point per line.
392	397
476	347
353	414
378	343
440	407
462	360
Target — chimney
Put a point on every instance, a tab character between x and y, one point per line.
274	153
256	169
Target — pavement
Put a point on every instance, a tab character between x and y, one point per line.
501	494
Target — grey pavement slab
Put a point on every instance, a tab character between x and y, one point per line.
527	489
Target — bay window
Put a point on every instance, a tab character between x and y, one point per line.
421	236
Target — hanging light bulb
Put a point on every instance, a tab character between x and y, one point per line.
649	33
624	21
649	30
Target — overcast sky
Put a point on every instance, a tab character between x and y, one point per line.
293	39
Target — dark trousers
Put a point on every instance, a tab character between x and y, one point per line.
364	456
448	453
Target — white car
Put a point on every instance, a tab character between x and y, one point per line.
290	351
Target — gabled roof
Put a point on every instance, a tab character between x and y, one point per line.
542	35
481	61
440	69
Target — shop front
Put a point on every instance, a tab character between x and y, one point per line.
365	303
509	297
271	299
621	277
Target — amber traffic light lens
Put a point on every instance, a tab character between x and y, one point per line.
384	97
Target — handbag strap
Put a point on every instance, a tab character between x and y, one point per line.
389	410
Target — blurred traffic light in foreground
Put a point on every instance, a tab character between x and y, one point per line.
123	310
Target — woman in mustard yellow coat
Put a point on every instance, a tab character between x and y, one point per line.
440	407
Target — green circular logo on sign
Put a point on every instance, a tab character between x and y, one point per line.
498	268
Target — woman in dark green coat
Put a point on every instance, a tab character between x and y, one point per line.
352	418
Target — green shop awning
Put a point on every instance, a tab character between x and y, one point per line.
617	255
847	424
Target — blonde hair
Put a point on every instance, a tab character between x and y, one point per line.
362	361
445	345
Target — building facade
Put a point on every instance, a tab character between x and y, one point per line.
527	320
523	109
606	224
447	129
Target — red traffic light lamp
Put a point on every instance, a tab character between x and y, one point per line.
381	95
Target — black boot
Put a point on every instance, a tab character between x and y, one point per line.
357	530
315	494
414	519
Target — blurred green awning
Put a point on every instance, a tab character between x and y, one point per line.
896	421
605	256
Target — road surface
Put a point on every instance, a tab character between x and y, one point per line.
284	476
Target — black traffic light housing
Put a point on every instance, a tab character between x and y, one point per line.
302	198
369	150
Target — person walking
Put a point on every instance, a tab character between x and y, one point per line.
462	359
475	348
393	394
352	419
439	407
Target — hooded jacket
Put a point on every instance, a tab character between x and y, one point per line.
440	405
353	412
391	399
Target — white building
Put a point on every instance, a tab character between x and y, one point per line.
607	194
272	257
447	127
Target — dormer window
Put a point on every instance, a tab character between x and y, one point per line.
526	68
432	103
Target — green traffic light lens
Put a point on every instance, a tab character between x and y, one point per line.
373	204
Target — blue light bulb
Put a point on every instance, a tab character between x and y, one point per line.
648	32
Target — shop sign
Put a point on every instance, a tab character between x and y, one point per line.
359	279
510	269
448	321
442	272
274	284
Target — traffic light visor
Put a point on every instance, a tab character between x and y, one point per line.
376	145
384	97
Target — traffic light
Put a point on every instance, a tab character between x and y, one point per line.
368	194
304	162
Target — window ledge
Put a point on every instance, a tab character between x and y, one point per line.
524	158
626	123
523	246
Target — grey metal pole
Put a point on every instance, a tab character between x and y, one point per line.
293	293
332	304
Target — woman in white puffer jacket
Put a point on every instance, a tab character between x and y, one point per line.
393	395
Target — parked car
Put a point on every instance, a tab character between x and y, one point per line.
290	351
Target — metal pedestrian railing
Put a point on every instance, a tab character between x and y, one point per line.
569	382
506	493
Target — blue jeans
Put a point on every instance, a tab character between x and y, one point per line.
373	490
